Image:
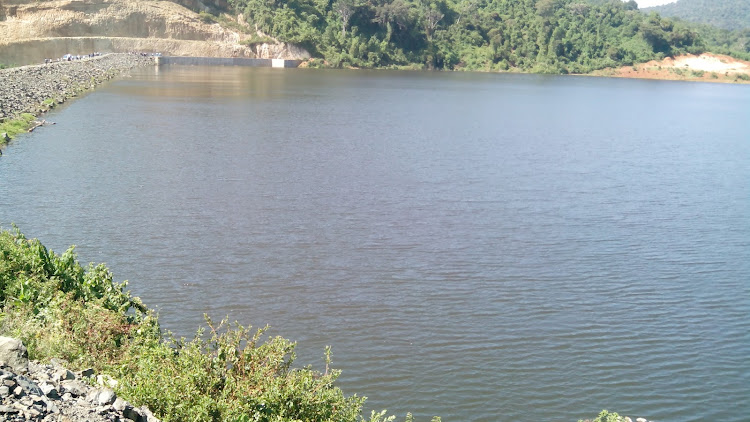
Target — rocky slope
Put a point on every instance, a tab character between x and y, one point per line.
33	89
31	31
31	391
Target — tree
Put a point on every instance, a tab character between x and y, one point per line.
432	17
345	9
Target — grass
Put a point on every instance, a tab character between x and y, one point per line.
18	125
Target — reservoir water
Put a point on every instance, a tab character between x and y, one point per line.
481	247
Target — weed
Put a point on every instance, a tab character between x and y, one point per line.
18	125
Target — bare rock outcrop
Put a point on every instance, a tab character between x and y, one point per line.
31	31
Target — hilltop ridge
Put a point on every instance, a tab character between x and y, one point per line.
727	14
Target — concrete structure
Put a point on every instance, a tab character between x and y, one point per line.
225	61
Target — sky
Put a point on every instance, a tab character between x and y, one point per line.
649	3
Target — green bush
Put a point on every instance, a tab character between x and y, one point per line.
606	416
206	17
256	39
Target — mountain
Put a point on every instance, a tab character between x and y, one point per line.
727	14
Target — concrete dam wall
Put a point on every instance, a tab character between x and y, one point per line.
225	61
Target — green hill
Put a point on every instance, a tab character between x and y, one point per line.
550	36
727	14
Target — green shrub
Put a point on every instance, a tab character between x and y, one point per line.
206	17
606	416
256	39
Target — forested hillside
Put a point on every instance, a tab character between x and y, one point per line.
727	14
553	36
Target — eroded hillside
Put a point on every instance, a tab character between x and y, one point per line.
32	30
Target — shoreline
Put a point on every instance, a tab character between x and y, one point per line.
32	90
705	67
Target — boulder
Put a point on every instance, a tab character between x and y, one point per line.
13	354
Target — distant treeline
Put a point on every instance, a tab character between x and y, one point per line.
727	14
546	36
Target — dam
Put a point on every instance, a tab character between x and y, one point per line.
225	61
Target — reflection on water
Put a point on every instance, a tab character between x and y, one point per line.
481	247
216	83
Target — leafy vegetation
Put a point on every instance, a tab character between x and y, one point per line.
723	41
727	14
18	125
606	416
227	372
548	36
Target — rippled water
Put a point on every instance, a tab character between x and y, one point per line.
480	247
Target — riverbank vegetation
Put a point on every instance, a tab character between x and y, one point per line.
13	127
546	36
227	372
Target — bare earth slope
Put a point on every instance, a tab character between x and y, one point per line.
31	31
705	67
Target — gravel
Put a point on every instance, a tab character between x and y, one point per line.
37	88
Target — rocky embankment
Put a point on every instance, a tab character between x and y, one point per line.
35	89
30	391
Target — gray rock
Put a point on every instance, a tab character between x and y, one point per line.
13	353
641	420
4	390
37	400
4	137
51	406
49	390
32	413
131	413
62	374
119	404
92	395
106	397
103	410
29	386
75	388
8	409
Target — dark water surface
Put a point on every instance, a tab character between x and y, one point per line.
480	247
